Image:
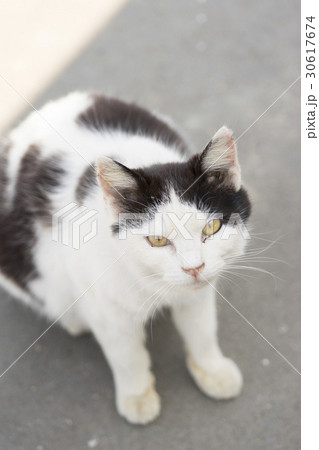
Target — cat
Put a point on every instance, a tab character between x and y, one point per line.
161	214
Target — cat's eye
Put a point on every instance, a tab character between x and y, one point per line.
212	227
158	241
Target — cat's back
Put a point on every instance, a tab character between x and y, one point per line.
57	145
86	126
47	162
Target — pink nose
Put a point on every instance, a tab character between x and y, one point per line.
194	271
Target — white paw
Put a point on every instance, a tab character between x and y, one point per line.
140	409
74	327
76	331
224	382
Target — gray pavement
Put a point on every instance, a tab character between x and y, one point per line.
204	64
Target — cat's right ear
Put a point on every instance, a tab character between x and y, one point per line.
220	156
114	178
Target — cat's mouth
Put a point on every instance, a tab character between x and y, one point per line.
198	282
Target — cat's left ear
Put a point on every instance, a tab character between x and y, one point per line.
116	181
220	156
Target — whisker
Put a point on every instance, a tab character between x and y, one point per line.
228	279
170	286
254	236
151	285
148	299
243	276
257	269
272	243
262	259
143	278
153	302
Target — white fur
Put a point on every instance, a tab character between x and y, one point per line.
125	293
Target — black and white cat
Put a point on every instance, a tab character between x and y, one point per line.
161	240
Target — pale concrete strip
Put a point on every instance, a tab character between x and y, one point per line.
39	39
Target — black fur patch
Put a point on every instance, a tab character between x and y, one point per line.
86	182
110	113
35	180
154	183
47	178
16	232
3	173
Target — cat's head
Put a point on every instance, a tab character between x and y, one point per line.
183	221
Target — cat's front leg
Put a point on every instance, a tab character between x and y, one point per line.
217	376
122	342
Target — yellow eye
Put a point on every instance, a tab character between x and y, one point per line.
158	241
212	227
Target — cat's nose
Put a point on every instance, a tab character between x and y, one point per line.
193	271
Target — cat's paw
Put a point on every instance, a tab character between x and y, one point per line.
224	382
140	409
74	327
